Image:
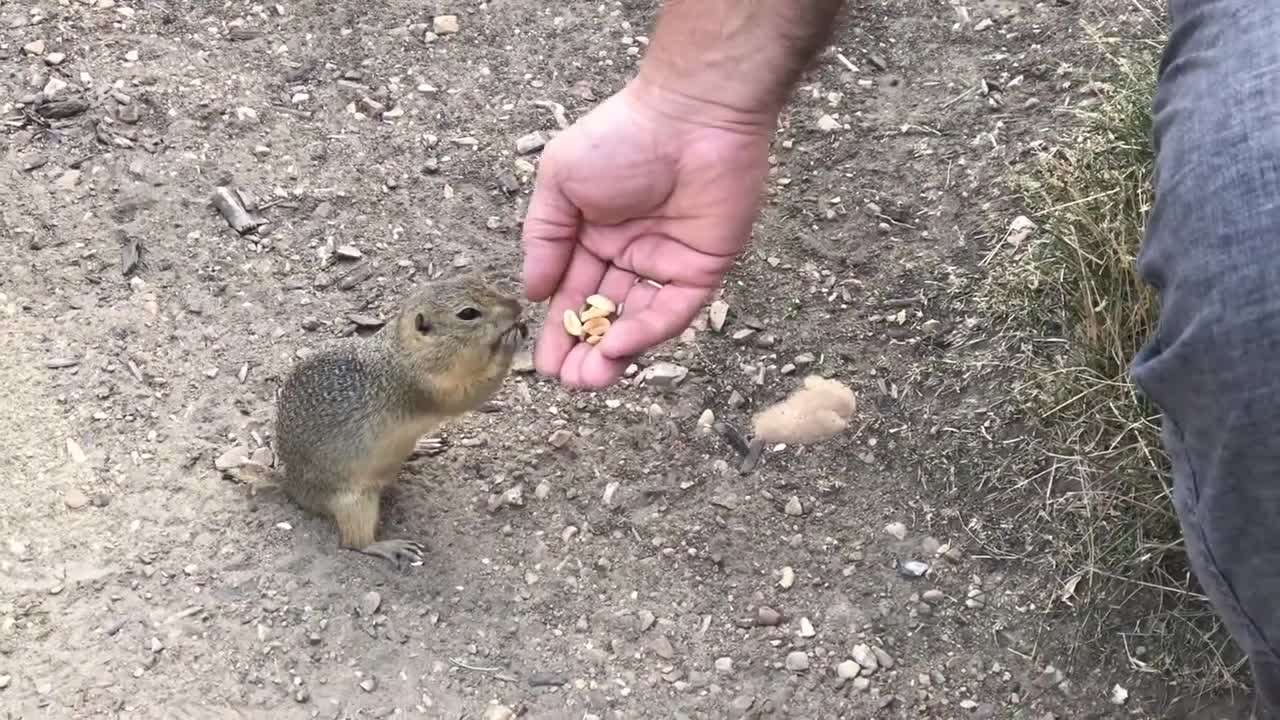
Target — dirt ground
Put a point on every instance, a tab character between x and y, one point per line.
625	570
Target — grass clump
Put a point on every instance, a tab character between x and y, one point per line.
1070	282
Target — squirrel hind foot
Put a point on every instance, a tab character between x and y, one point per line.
356	515
400	553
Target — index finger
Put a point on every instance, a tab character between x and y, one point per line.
549	232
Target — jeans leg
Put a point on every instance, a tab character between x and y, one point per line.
1212	252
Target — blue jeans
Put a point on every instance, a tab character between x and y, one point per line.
1212	252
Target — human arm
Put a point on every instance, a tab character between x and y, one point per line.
731	62
663	180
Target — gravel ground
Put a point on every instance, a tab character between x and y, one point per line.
593	555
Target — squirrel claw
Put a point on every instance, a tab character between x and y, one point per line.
398	552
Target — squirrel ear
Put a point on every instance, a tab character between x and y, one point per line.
420	323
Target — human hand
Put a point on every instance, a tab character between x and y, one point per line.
637	190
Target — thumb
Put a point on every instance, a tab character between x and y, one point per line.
549	232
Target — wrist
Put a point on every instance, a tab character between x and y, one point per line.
731	62
699	104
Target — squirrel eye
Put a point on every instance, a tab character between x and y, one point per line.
468	313
421	324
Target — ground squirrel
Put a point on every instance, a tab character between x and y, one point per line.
349	415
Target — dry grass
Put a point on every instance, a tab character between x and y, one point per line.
1070	291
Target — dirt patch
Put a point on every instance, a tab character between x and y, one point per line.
638	575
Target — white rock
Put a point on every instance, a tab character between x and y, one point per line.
718	314
445	24
499	712
794	508
806	628
865	658
913	568
531	142
1119	695
797	661
233	458
665	374
54	58
35	47
53	87
76	452
827	123
896	529
848	670
788	578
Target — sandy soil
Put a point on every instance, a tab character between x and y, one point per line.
594	555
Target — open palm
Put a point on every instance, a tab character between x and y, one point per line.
629	194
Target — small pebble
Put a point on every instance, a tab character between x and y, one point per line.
231	459
724	665
797	661
531	142
767	616
865	658
499	712
933	597
75	499
54	58
445	24
35	47
370	603
788	578
368	684
827	123
913	569
647	619
76	452
806	628
896	529
794	508
665	374
848	670
718	315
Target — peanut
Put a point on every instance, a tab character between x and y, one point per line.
572	324
596	326
592	321
593	312
602	302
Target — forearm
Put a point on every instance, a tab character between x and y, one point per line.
734	59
